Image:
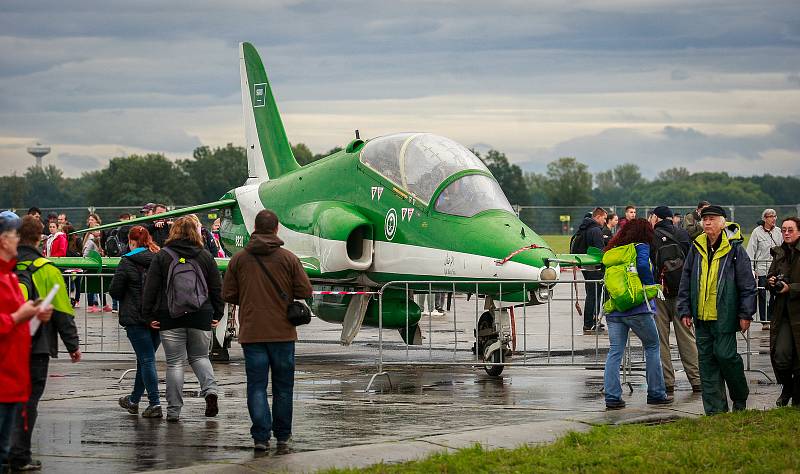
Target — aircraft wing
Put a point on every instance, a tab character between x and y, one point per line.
94	263
593	256
223	203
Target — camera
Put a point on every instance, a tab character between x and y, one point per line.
780	282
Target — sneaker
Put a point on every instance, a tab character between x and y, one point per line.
107	308
76	304
664	401
261	445
34	465
125	402
765	326
616	405
436	313
594	329
153	411
93	309
211	405
173	417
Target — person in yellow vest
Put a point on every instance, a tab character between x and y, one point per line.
718	294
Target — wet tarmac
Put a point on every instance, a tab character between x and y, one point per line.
82	429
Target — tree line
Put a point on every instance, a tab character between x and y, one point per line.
210	172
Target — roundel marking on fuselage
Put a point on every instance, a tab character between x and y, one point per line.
390	224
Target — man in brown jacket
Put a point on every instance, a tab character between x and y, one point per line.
266	335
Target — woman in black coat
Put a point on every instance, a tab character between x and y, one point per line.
127	287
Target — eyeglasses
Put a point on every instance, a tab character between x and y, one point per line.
788	231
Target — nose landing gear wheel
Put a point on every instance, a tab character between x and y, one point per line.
494	370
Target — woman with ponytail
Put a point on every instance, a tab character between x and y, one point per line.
127	287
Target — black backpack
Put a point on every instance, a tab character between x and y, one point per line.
114	246
669	260
577	244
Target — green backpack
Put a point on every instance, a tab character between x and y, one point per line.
622	281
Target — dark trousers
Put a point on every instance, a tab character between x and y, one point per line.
259	359
594	293
720	365
20	454
785	351
8	415
764	309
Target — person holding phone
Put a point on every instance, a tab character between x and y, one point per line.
15	336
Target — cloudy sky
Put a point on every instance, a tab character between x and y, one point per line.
709	85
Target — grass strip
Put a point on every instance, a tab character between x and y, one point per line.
750	441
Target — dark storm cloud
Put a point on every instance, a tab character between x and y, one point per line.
672	146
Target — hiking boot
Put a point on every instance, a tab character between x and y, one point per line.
664	401
153	411
211	405
283	447
125	402
615	405
34	465
261	445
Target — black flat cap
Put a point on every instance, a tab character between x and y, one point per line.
713	210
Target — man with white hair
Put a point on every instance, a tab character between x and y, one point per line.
718	294
762	239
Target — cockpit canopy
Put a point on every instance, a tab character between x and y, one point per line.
418	162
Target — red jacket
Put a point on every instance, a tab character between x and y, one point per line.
56	245
15	340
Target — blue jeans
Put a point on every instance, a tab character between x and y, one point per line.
8	414
145	342
644	326
259	358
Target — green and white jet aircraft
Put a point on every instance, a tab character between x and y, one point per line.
402	207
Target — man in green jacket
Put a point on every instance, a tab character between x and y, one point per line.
718	294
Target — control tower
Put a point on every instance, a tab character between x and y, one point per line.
39	152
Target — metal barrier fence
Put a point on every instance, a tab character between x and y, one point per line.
543	336
99	332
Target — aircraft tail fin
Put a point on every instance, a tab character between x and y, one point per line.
269	154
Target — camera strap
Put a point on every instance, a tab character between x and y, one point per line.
277	287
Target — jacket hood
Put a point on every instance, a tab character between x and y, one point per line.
264	244
185	248
588	223
666	225
733	232
140	256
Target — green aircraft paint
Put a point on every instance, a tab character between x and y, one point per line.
410	207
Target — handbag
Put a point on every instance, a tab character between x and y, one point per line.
297	312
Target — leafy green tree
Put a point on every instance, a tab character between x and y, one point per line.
569	183
45	186
302	154
13	191
216	171
537	184
508	175
136	179
330	152
674	174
